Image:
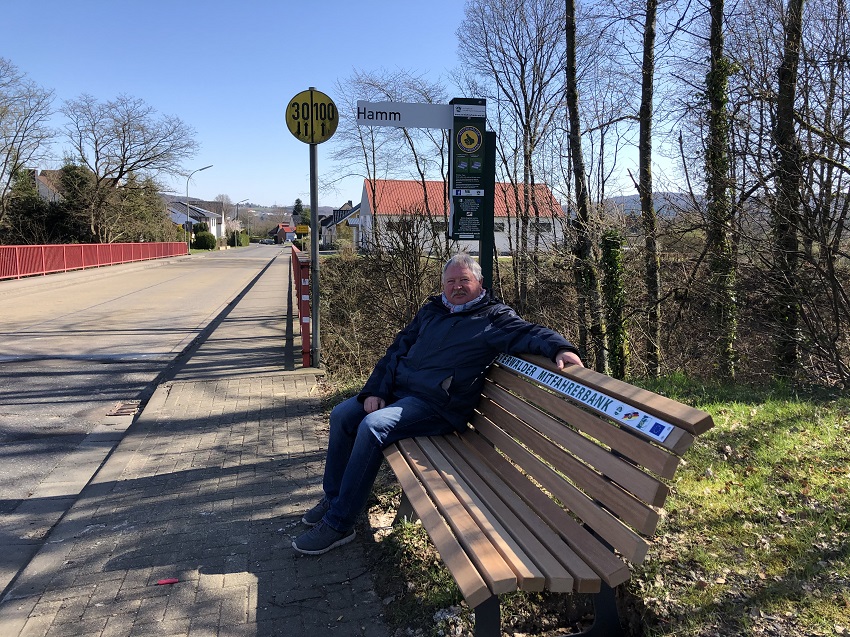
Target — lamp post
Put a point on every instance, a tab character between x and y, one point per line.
189	223
236	218
237	207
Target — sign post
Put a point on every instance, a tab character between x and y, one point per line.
487	244
312	117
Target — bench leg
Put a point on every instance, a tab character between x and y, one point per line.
606	619
488	618
405	510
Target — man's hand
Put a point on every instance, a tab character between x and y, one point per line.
373	403
566	357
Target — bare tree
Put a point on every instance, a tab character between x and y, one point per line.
119	138
586	278
25	134
514	49
787	205
790	165
719	204
227	206
652	266
823	112
644	32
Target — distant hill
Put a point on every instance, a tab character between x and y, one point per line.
667	204
259	211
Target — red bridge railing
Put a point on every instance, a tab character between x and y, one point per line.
21	261
301	274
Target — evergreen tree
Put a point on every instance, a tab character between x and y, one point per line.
30	220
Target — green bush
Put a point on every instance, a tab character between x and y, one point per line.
237	239
204	241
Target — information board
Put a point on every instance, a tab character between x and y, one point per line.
467	168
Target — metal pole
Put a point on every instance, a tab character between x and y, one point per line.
239	233
487	244
314	253
189	223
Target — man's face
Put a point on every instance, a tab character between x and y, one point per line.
460	285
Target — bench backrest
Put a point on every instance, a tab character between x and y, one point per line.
601	450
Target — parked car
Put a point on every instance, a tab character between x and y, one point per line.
267	241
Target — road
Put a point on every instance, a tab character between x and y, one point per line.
80	352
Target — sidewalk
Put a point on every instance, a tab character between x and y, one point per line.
207	487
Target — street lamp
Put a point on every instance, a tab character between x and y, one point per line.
239	228
237	207
189	223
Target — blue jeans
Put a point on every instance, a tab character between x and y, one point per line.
355	451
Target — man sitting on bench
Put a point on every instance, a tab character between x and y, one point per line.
427	384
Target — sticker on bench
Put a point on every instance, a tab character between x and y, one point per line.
625	414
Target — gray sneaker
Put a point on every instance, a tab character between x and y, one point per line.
315	515
321	539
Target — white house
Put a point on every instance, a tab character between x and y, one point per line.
47	183
346	213
177	213
391	202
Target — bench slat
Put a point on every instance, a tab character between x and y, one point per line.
595	486
589	549
633	446
629	543
472	586
498	575
531	530
557	577
529	576
692	420
627	475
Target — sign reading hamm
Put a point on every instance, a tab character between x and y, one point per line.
404	115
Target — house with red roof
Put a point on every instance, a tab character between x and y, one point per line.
282	233
392	202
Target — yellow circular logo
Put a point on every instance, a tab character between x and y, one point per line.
469	139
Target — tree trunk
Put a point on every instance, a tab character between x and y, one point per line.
614	292
720	215
786	215
652	273
587	282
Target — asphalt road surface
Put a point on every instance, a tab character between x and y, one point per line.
79	353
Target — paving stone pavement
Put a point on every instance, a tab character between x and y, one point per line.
207	487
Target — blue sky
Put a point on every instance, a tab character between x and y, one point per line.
228	69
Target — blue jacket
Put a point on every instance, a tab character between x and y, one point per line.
442	357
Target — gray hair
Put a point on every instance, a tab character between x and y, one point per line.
465	260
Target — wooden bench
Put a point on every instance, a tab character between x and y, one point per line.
559	479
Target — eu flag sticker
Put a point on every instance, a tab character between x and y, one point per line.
657	429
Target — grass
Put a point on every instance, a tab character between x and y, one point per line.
755	539
756	536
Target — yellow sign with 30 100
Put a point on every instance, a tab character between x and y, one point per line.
312	117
